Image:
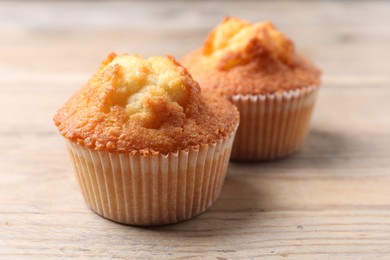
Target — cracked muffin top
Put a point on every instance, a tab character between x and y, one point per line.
143	106
243	58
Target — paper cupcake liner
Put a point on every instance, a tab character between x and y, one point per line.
151	190
272	125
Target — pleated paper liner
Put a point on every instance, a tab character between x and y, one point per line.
151	190
272	125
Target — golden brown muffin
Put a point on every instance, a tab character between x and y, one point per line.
257	68
243	58
137	105
147	147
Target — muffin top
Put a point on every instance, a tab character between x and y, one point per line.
243	58
144	106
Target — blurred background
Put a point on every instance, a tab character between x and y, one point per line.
82	30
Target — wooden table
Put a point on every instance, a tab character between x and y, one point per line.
330	200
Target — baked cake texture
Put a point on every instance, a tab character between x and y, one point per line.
243	58
137	105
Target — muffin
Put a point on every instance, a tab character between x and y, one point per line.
147	147
274	88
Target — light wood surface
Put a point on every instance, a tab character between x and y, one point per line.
330	200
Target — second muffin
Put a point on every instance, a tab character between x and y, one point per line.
274	88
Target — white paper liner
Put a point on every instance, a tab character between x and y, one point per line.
151	190
272	125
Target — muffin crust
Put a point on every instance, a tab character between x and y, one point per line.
142	106
243	58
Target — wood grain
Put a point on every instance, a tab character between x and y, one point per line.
330	200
